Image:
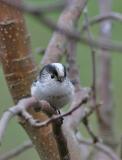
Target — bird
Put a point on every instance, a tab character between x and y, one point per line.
53	85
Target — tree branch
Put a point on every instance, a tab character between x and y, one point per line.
55	117
17	151
24	104
59	42
105	113
47	9
69	33
101	147
100	18
79	96
20	109
93	56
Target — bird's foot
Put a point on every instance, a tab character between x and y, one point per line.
60	120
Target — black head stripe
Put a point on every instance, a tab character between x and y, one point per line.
50	68
65	72
40	73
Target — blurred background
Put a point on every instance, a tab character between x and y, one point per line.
40	36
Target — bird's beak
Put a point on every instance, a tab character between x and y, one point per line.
60	79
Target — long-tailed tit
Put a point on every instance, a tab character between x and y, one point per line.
53	85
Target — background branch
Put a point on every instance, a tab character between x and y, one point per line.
102	148
21	109
59	139
105	112
100	18
58	43
93	56
17	151
116	46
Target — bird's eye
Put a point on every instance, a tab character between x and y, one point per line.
52	76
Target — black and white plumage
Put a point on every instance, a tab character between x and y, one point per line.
53	85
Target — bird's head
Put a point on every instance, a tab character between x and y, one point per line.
53	72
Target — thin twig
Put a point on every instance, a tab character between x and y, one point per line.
39	9
104	81
93	53
20	109
17	151
70	34
91	133
47	9
79	95
24	104
100	147
4	122
100	18
55	117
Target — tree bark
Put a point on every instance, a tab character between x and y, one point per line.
20	70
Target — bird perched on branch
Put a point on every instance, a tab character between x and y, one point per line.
53	85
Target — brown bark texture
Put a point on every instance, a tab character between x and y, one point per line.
20	70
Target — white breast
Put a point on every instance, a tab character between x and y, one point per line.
57	94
